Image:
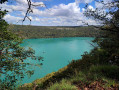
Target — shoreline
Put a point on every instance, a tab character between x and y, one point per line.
60	37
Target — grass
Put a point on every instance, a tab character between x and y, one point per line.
63	85
110	71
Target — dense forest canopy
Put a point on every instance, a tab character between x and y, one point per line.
27	31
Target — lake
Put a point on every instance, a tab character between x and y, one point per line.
57	53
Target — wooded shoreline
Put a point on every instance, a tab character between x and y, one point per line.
33	32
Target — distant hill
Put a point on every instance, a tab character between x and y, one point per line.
27	31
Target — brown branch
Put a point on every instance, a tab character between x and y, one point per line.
29	10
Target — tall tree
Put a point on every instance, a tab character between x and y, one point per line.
108	15
12	55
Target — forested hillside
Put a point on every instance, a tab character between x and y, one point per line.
27	31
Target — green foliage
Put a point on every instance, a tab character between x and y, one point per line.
110	82
12	56
77	77
63	85
109	43
110	71
26	31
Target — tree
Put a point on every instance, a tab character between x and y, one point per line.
109	43
12	55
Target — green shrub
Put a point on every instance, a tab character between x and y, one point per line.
80	76
110	71
63	85
109	82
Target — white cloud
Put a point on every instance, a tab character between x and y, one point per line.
65	10
60	10
23	2
91	8
21	5
61	14
98	5
83	9
83	1
11	8
41	4
12	19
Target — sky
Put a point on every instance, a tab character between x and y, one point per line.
50	12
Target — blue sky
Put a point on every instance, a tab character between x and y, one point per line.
56	12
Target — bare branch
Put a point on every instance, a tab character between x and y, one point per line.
29	9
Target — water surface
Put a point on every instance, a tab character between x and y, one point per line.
57	53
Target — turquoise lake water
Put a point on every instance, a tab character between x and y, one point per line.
57	53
